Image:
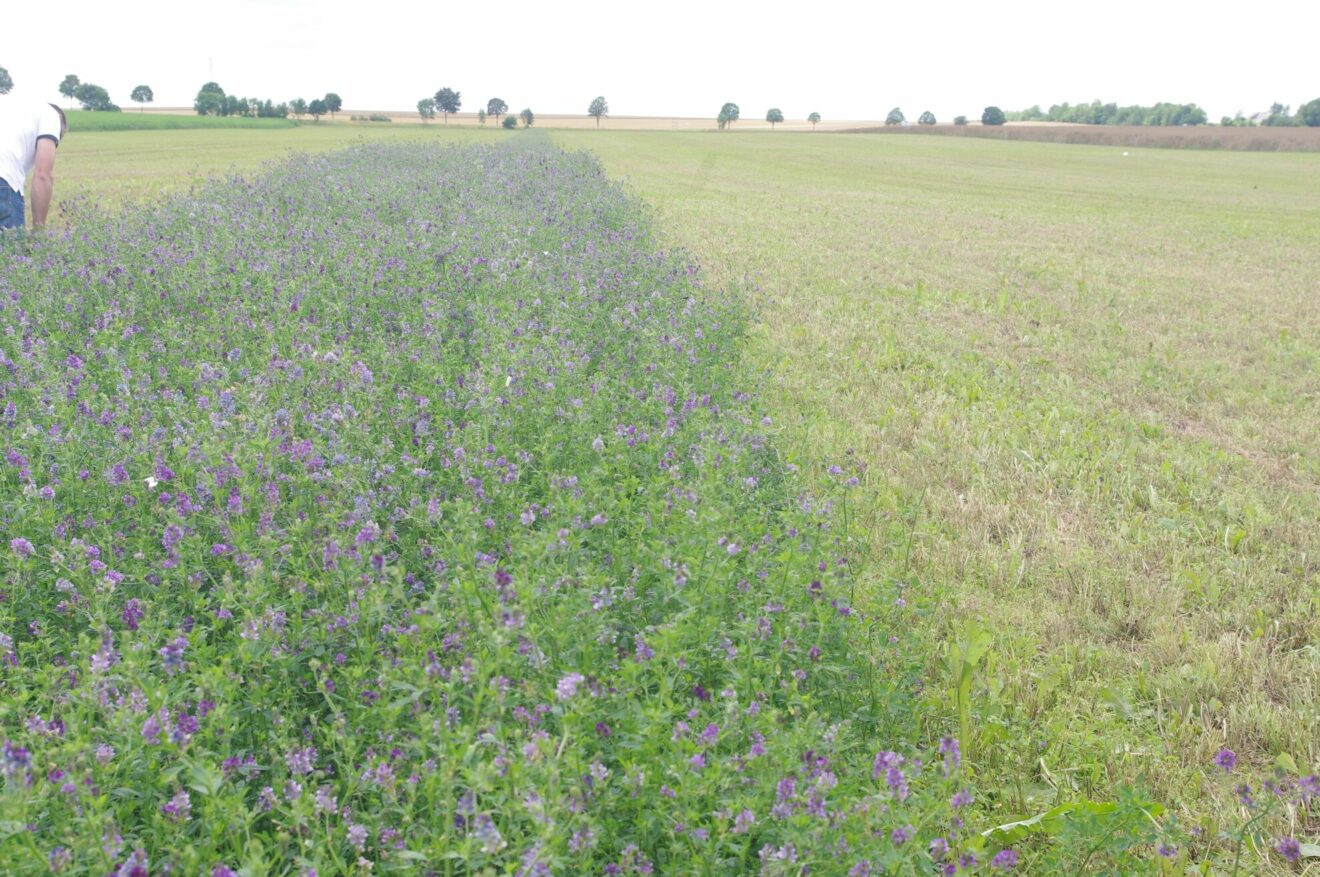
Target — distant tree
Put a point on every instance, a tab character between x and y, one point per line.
426	108
496	107
992	116
509	123
210	100
6	81
813	119
926	118
316	109
141	96
774	116
448	101
68	85
298	107
527	118
599	107
960	120
729	114
1309	113
94	97
481	117
1280	117
333	103
895	117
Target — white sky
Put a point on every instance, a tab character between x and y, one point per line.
679	58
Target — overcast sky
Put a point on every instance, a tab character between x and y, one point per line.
679	58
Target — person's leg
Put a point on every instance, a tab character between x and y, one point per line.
11	207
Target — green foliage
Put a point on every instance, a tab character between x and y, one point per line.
1309	113
960	120
895	117
94	97
496	107
6	81
598	109
142	95
1097	113
992	116
774	116
426	108
316	109
298	107
527	118
813	119
333	103
210	100
728	114
481	116
448	101
371	117
509	123
68	85
926	118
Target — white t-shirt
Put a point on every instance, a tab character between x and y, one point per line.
22	123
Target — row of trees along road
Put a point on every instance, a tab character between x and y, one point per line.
730	113
447	101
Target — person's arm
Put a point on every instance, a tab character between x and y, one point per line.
43	181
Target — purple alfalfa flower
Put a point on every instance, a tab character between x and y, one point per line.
136	865
961	798
862	868
266	799
583	839
968	861
1004	860
357	837
743	822
1290	849
223	871
710	735
13	759
1243	793
938	849
567	687
300	761
171	654
902	834
1225	759
58	859
952	754
324	801
21	547
178	808
489	836
890	764
641	651
131	614
292	790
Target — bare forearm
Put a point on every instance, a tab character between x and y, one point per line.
43	188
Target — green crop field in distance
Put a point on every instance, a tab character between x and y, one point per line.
111	168
132	120
1084	384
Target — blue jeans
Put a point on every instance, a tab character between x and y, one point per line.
11	207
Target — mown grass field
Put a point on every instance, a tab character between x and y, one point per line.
1084	386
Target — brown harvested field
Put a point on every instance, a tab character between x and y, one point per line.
1199	137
